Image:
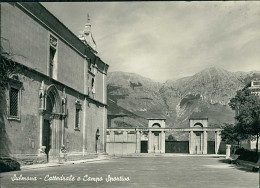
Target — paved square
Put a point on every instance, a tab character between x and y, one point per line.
162	171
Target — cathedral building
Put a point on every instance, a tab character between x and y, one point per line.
55	102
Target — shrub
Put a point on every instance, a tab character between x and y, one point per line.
240	151
8	164
247	155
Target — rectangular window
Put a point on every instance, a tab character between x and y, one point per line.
51	61
13	102
77	115
52	65
77	119
93	86
256	83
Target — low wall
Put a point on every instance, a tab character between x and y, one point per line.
120	148
30	159
42	159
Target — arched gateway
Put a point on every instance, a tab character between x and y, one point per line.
156	140
152	139
51	123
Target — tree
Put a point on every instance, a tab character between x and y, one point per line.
171	138
7	69
247	105
232	134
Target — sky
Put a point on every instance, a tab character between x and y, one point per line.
169	40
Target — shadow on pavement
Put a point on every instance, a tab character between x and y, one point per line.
224	161
238	167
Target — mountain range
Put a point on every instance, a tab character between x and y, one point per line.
133	98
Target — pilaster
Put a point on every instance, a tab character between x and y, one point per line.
150	141
163	142
160	141
205	142
191	142
217	141
138	142
85	62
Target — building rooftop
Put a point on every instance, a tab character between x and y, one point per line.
198	118
156	118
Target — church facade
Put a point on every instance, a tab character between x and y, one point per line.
55	100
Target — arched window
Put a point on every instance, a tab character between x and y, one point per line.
156	125
50	102
198	125
53	101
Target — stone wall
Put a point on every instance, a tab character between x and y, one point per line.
24	38
96	120
23	134
121	143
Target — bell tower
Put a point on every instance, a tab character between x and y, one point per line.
86	35
87	29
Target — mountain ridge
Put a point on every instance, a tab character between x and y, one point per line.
204	93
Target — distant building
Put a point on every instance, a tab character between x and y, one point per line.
255	86
57	102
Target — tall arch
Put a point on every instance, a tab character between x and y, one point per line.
52	131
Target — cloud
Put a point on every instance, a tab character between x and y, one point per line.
168	40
